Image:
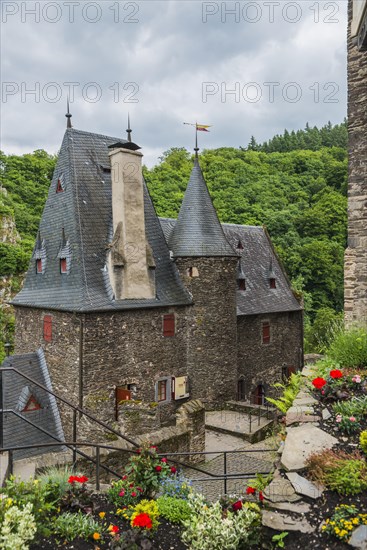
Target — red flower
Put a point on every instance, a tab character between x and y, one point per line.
173	470
336	373
261	496
164	460
133	494
131	485
250	490
122	493
124	477
77	479
142	520
154	447
158	468
319	383
237	506
140	489
113	529
138	451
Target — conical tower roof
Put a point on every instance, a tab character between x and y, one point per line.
198	231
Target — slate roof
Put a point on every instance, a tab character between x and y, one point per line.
257	258
198	231
84	211
16	393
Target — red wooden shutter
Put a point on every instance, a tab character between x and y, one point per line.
39	266
169	325
266	333
47	328
63	266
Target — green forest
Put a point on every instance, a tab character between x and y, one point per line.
295	184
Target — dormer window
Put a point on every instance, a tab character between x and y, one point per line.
39	269
32	405
64	254
241	284
240	245
63	265
60	187
192	272
272	282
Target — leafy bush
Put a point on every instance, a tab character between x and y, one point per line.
177	486
176	510
78	496
17	527
70	526
57	477
122	493
341	472
145	515
350	348
343	521
131	540
363	441
208	530
290	390
356	406
41	496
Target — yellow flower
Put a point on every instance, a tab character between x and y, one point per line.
355	521
36	481
9	501
337	530
102	514
96	536
343	532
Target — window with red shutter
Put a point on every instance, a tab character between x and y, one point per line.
169	324
47	328
273	283
266	332
39	266
63	265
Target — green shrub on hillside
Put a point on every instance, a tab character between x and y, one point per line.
349	348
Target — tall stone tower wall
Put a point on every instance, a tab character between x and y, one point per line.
356	254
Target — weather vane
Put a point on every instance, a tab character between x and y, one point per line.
198	128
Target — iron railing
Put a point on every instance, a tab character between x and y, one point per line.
225	476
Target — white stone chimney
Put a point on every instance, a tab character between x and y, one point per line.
131	262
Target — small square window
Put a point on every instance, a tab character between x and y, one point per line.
32	405
162	390
63	265
266	332
39	266
47	328
241	284
169	324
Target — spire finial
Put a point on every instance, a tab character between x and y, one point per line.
68	115
129	130
196	148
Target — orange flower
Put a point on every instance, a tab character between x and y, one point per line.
96	536
102	515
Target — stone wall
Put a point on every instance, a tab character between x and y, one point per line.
260	363
211	342
355	304
62	353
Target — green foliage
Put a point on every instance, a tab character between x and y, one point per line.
208	530
17	527
148	507
146	470
326	325
132	539
260	482
69	526
279	539
363	441
343	521
121	494
356	406
175	510
41	496
349	348
290	390
341	472
57	478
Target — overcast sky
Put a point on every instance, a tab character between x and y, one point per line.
246	68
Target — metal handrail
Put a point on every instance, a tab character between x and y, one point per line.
74	407
216	477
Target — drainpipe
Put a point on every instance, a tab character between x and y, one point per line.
81	346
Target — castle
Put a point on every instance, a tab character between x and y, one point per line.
355	286
130	307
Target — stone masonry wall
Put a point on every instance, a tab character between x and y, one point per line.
355	304
212	340
260	363
62	353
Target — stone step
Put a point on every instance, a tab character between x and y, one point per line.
282	522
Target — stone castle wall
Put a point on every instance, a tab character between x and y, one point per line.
355	304
212	339
260	363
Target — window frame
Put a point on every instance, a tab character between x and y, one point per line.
167	319
167	393
39	266
265	339
272	282
63	266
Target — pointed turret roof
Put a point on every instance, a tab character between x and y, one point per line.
198	231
